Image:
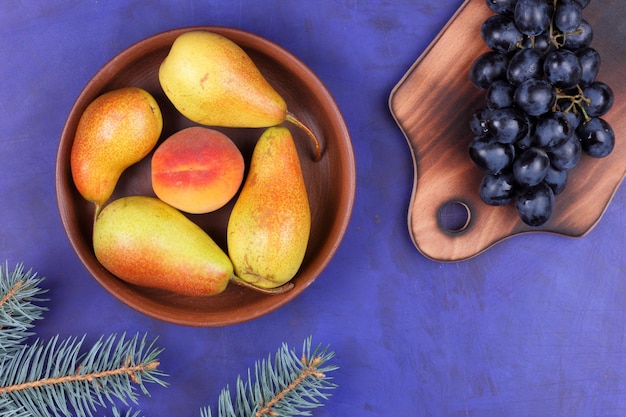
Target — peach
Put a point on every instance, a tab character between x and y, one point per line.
197	170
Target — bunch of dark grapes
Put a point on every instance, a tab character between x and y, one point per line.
544	105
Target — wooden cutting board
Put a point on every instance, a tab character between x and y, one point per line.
433	104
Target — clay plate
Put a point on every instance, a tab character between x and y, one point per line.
433	104
330	181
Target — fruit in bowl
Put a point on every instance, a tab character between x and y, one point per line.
329	178
212	81
269	227
197	170
147	242
116	130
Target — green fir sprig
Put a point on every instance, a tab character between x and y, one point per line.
61	377
290	385
55	378
19	294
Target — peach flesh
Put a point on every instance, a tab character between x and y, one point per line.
197	170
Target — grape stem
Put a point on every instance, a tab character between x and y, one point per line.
575	102
557	38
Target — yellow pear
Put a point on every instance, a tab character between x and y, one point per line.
269	227
146	242
116	130
212	81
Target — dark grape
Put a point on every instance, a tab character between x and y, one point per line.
590	63
552	130
505	7
535	97
596	137
568	16
490	155
573	119
507	125
534	205
543	103
500	94
527	141
583	3
541	42
562	68
566	155
487	68
500	33
601	99
533	17
525	65
580	38
531	167
497	189
478	122
556	179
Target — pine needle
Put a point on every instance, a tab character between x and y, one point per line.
290	385
19	291
55	379
129	413
15	412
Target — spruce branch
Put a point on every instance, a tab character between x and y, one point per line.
54	378
290	385
19	293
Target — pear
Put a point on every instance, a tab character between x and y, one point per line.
116	130
212	81
146	242
269	226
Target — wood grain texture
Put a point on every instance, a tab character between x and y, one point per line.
433	104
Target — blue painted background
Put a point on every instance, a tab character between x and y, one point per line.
535	326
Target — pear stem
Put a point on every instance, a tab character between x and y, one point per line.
98	209
96	213
294	120
270	291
